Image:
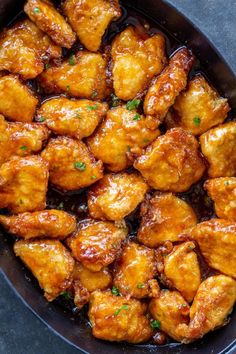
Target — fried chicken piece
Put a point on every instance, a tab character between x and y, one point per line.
82	75
4	140
136	60
46	223
219	147
17	102
71	165
50	262
172	162
49	20
223	192
199	108
77	118
23	184
121	136
97	243
162	93
90	19
24	47
116	318
116	195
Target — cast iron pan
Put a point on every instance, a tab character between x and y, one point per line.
74	329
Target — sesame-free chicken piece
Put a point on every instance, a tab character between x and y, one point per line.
163	218
49	20
116	195
217	242
46	223
17	102
172	162
96	244
24	48
82	75
23	184
116	318
219	147
71	165
4	139
162	93
136	60
76	118
90	19
50	262
121	136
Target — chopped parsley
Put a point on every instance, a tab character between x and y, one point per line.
78	115
131	105
94	94
66	295
80	166
123	307
128	148
226	183
115	291
140	286
92	108
72	60
47	66
197	121
93	177
36	10
41	119
21	201
137	117
23	147
155	324
114	100
146	141
60	206
67	87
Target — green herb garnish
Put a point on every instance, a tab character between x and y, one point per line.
146	141
137	117
92	108
66	295
123	307
130	105
115	291
93	177
67	87
226	183
197	121
47	66
41	119
36	10
94	94
140	286
114	100
60	206
155	324
80	165
72	60
23	147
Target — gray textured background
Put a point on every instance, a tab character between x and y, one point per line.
20	331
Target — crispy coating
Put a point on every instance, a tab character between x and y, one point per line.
134	269
72	117
17	102
172	162
23	184
217	241
50	262
181	267
121	137
23	48
222	191
82	75
163	92
136	60
97	243
116	318
71	165
219	147
46	223
90	18
116	195
49	20
199	108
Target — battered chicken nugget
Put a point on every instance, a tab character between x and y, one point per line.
72	117
163	218
46	223
97	243
49	20
136	60
199	108
90	18
23	48
116	318
82	75
219	147
163	92
71	165
223	192
116	195
17	102
173	161
50	262
120	137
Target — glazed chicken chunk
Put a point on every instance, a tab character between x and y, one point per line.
116	195
115	318
71	165
46	223
23	184
120	137
90	19
137	58
49	20
76	118
24	47
50	262
219	147
173	162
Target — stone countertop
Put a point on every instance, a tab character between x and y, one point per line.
20	331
